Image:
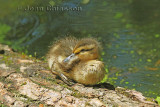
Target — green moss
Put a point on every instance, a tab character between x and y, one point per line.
2	78
158	100
2	105
24	83
7	60
104	79
77	94
87	104
27	99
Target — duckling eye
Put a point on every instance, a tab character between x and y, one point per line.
83	50
86	50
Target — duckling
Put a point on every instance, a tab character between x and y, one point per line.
77	60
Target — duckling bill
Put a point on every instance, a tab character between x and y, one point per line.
69	57
76	59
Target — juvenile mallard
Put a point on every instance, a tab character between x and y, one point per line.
76	59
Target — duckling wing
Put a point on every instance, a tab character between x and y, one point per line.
90	72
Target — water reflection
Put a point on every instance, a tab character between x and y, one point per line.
128	30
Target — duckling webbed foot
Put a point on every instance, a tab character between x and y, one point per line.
56	70
66	80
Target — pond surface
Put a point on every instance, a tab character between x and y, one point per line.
129	31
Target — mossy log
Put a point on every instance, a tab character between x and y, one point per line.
27	81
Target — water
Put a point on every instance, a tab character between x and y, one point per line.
128	30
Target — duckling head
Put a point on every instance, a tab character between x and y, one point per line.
85	49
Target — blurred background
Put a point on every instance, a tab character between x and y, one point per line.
129	31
